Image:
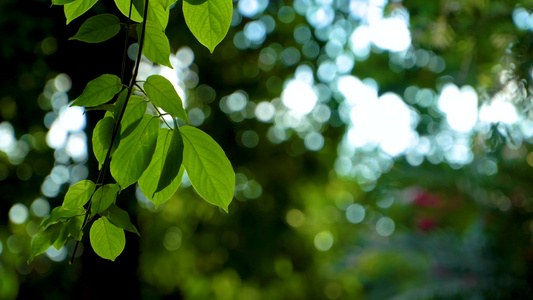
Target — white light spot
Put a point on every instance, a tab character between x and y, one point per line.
7	136
255	31
387	123
237	101
76	146
460	107
360	41
250	8
299	96
499	110
391	34
321	16
72	118
63	83
184	57
56	136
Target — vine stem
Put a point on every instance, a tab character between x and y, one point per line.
103	171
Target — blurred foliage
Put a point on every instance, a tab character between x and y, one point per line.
297	229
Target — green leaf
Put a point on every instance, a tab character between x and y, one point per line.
209	20
98	29
124	7
99	91
42	241
62	237
172	160
135	151
167	3
104	197
120	218
119	104
133	115
107	107
73	226
149	181
60	214
158	14
163	94
107	240
102	135
77	8
61	2
156	45
78	194
208	168
139	6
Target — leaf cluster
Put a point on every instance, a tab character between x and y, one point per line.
133	141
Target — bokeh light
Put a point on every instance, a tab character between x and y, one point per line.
18	214
40	207
324	240
355	213
385	226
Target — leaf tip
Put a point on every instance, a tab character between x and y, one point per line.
225	208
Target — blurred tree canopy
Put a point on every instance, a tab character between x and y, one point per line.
382	149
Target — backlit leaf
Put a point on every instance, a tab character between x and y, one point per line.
167	3
150	179
102	134
42	241
172	160
107	107
78	194
77	8
107	240
99	91
139	6
208	168
62	238
98	29
156	45
124	7
135	111
104	197
135	152
61	2
74	225
60	214
209	20
120	218
162	93
158	14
